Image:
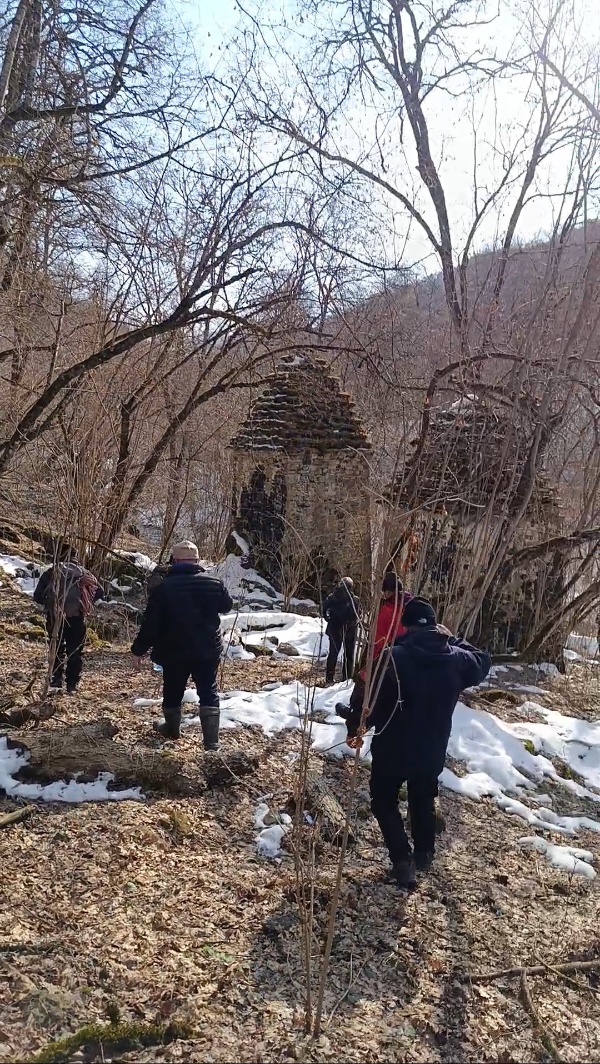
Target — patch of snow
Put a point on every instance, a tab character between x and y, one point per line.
576	862
268	628
12	760
498	763
24	573
268	840
141	561
248	588
241	542
584	645
547	669
120	587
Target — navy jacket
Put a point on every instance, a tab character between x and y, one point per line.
181	621
418	694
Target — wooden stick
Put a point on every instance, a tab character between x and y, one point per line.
19	814
534	969
542	1031
572	982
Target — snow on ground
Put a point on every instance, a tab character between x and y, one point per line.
581	648
12	760
141	561
577	862
25	574
498	764
247	588
271	830
269	628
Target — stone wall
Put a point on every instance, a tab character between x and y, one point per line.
306	516
439	565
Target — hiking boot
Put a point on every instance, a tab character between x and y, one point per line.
342	710
209	721
55	690
423	860
71	690
170	728
405	874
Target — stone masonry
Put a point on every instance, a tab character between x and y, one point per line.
301	496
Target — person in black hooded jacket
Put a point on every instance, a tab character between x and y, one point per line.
341	610
412	717
182	627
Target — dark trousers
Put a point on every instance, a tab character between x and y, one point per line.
70	638
338	638
176	674
386	781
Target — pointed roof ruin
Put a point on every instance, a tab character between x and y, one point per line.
302	408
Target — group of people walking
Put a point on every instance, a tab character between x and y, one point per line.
406	685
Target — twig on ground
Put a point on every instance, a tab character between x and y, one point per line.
354	977
31	947
544	1034
18	814
533	969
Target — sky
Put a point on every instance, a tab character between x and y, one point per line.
499	114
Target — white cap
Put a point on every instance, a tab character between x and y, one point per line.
185	552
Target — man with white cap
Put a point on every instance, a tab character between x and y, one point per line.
181	625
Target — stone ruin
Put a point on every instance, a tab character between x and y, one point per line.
464	480
301	476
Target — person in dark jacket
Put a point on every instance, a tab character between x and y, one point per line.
412	717
67	591
340	610
181	625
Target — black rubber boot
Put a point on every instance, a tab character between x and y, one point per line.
209	719
171	727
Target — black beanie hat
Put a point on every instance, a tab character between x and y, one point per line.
391	582
419	613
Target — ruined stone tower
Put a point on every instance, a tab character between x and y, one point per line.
459	486
301	496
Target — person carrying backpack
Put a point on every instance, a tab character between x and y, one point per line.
340	610
67	592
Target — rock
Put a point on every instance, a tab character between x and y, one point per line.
275	926
262	650
289	650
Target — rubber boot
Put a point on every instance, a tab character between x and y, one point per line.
171	727
209	719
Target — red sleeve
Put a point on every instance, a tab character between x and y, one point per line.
389	624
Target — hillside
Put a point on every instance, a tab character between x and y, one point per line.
162	915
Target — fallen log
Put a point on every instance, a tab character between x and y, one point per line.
83	751
324	806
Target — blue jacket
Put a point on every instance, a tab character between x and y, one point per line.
419	691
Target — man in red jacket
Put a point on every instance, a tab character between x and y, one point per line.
388	628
